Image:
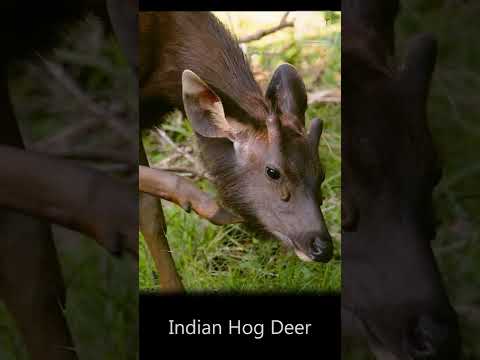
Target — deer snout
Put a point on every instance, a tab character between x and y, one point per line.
433	339
314	246
321	247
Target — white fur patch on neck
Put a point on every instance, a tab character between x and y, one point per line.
241	151
244	146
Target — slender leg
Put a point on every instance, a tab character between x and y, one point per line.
32	286
31	283
153	228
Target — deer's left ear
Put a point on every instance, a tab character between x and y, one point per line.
419	66
288	96
124	20
204	109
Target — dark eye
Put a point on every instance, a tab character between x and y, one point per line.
272	173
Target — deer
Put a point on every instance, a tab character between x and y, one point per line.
393	297
265	164
37	190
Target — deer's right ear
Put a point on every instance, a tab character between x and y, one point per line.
204	108
288	95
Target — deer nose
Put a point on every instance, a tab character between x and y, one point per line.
433	340
321	249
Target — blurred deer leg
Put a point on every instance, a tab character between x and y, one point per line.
77	197
31	283
153	228
32	286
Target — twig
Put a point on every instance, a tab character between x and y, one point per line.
69	84
284	17
197	170
179	190
325	96
193	172
74	131
169	141
262	33
168	160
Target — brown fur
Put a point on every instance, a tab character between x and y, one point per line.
173	42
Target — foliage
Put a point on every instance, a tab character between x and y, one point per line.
102	301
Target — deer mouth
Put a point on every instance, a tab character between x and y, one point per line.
292	244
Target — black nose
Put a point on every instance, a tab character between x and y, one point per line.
433	339
322	248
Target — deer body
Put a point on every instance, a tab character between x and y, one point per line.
189	61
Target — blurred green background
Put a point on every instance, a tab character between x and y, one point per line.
66	109
454	116
454	120
229	258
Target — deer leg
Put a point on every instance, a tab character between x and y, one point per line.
32	286
79	198
183	192
31	283
153	229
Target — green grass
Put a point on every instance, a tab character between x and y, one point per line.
102	305
229	258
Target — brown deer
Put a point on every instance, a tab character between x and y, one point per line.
36	189
265	164
392	291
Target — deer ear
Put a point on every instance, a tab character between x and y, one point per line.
316	129
419	65
204	108
124	20
288	96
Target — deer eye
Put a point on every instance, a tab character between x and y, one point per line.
272	173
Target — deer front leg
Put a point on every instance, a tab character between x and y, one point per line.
76	197
32	287
31	283
153	229
183	192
